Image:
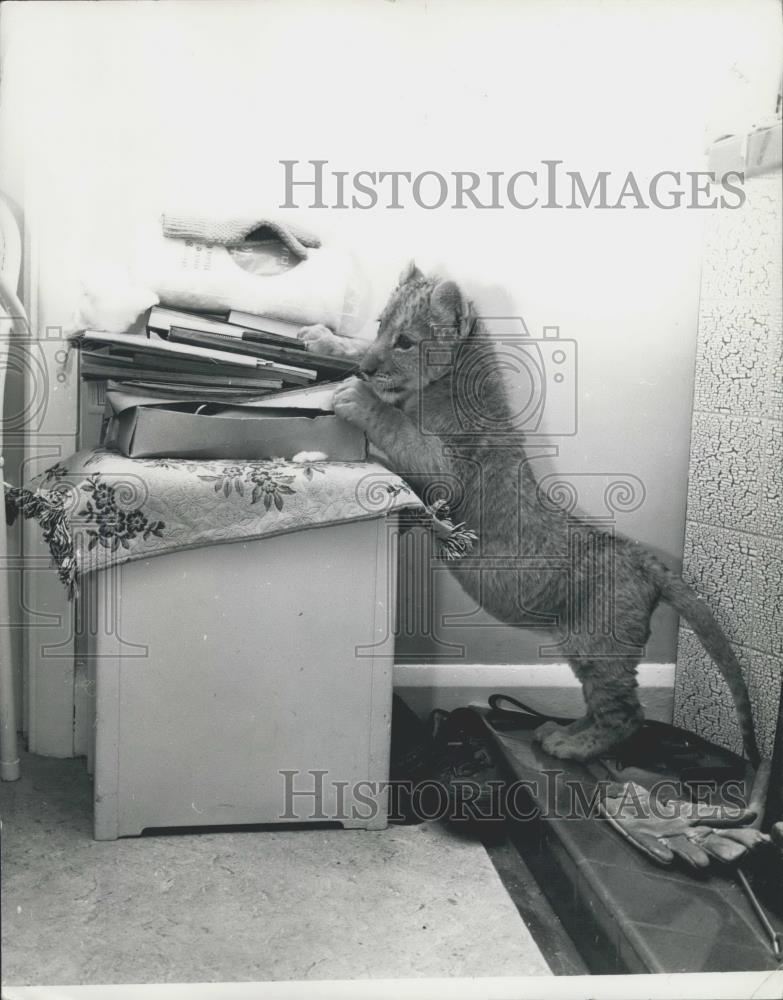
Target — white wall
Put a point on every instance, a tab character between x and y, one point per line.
126	108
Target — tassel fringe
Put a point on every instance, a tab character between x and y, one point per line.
453	541
48	508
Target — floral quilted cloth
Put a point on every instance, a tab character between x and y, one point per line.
100	508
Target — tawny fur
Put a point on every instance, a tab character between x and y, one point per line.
536	565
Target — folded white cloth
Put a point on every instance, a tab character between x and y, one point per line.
192	267
111	299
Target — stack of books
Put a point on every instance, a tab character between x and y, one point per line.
236	358
197	385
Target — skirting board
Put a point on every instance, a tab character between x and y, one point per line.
550	688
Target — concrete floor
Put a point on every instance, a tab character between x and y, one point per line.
211	907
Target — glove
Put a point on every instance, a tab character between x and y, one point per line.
694	832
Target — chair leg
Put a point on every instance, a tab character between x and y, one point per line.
11	308
9	753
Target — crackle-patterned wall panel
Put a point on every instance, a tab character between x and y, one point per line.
734	526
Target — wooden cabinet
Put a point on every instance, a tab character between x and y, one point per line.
227	677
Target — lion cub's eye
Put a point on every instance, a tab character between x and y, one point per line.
404	343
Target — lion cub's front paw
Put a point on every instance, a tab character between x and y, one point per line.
355	402
319	338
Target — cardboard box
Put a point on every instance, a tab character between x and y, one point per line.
142	427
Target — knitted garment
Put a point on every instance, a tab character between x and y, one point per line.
232	232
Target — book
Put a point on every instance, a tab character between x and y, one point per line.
187	391
145	345
101	361
95	367
323	364
230	347
161	320
180	357
265	324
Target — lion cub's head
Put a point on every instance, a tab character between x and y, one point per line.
421	324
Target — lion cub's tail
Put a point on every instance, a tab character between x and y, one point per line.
675	591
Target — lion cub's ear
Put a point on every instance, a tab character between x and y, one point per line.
410	273
449	309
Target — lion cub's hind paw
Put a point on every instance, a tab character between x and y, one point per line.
545	729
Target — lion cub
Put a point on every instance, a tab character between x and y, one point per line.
535	565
